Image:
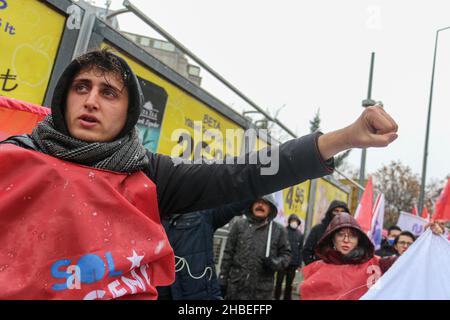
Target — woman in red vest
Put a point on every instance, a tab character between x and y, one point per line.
348	266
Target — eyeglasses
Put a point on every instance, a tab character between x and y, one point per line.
350	237
404	243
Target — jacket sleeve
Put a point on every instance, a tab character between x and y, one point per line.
284	249
188	187
228	254
386	263
309	247
222	215
24	141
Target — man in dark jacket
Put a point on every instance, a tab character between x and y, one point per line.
256	248
101	232
191	236
336	207
295	237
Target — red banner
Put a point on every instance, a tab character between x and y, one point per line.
327	281
18	117
74	232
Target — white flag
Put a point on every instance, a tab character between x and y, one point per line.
421	273
412	223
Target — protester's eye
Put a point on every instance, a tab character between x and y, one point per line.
109	93
80	87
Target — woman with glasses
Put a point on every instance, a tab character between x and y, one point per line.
348	266
336	207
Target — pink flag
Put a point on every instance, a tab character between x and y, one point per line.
364	212
442	211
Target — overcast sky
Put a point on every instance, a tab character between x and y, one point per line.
316	54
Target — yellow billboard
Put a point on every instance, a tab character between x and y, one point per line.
293	200
353	200
191	130
326	192
296	199
30	33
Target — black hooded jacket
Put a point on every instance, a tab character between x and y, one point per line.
191	237
187	187
243	272
318	230
296	238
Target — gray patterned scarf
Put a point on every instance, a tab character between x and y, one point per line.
122	155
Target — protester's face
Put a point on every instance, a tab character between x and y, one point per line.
337	211
293	224
261	209
393	234
345	240
97	105
403	243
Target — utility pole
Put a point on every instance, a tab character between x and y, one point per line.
366	103
427	133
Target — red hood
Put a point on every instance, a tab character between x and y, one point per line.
324	249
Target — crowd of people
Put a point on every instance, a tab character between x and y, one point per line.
334	268
92	214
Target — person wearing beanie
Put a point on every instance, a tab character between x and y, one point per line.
256	248
82	199
295	237
336	207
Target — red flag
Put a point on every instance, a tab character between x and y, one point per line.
442	210
414	210
425	214
364	212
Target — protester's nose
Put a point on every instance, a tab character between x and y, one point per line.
91	102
